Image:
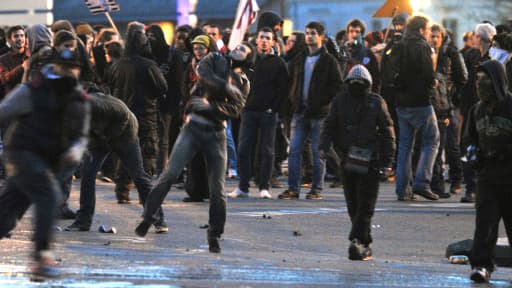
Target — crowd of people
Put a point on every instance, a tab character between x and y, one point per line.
404	105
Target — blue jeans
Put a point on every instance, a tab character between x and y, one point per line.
301	129
411	120
232	158
194	138
253	122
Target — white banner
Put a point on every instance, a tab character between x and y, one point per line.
246	14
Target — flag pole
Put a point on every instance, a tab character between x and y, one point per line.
389	23
112	23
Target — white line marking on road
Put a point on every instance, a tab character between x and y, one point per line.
293	212
443	205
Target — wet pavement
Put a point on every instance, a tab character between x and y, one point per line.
268	243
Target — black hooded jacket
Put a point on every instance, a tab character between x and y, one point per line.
137	80
491	129
363	121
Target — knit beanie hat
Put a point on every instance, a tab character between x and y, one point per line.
359	72
203	40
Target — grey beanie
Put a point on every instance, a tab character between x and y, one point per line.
359	72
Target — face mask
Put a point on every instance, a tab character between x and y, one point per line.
485	88
358	88
64	85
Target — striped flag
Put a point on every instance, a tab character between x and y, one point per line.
102	6
246	14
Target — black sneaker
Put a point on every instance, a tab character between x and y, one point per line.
314	195
78	226
6	226
161	227
359	252
288	195
469	198
44	268
142	228
213	245
480	275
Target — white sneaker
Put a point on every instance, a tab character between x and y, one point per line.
237	193
265	194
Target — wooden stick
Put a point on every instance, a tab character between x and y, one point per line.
389	23
112	23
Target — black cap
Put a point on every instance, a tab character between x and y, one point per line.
400	19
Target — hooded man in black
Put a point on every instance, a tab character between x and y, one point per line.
489	133
138	82
357	120
47	136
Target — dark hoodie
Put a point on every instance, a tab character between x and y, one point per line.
39	40
491	129
137	80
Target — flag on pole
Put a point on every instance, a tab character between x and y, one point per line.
246	14
102	6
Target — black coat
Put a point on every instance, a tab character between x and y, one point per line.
325	83
269	84
491	130
361	121
138	82
416	72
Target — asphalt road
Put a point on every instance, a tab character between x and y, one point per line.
268	243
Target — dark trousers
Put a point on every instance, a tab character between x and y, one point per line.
211	143
437	184
281	146
148	141
493	199
452	149
164	132
130	156
196	185
252	123
31	180
361	196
